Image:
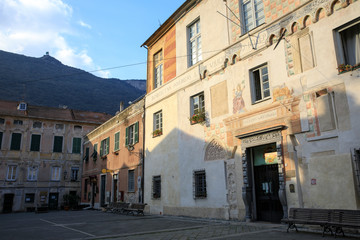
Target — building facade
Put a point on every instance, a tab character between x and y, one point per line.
41	154
257	113
112	166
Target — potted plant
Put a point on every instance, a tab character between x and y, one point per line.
341	68
197	118
348	67
157	132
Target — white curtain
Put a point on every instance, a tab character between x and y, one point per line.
351	44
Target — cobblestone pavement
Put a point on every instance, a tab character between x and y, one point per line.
93	225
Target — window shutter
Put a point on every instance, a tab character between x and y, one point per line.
127	137
136	132
101	147
107	145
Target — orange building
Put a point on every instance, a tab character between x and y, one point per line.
41	154
112	166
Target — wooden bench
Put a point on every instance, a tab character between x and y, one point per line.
117	207
329	219
137	208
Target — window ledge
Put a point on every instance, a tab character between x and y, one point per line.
324	137
261	100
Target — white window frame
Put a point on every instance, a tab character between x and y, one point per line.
158	69
11	173
194	42
200	99
158	123
32	173
55	173
263	89
75	173
253	4
338	41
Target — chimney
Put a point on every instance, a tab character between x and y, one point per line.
121	106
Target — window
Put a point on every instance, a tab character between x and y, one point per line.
117	141
29	197
15	141
104	147
253	14
194	43
199	184
74	173
58	142
1	135
158	123
55	173
132	134
2	121
87	152
76	145
35	143
131	181
59	126
37	125
158	69
156	187
197	104
325	110
348	40
18	122
260	83
77	128
32	173
11	173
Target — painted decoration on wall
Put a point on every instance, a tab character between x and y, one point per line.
238	101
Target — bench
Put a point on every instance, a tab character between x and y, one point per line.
117	207
137	208
329	219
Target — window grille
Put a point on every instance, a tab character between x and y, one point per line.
199	183
156	187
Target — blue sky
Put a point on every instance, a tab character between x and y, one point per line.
87	34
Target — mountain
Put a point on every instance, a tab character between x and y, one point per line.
45	81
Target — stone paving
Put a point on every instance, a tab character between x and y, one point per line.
100	225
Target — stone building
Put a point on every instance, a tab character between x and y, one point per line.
41	154
112	166
254	110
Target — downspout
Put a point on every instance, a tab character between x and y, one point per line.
143	157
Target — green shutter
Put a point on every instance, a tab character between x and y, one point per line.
127	137
136	135
101	147
15	141
76	145
35	143
58	141
117	139
107	145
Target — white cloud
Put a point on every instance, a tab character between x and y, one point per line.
38	26
83	24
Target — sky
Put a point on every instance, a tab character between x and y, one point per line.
103	36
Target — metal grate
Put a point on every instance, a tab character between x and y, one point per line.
357	168
200	184
156	187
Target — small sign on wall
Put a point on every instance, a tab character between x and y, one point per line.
313	181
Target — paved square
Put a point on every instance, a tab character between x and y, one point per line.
101	225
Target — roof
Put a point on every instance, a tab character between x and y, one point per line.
10	108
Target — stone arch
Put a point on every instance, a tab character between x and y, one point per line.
320	14
272	39
226	62
294	27
306	21
215	150
335	5
233	59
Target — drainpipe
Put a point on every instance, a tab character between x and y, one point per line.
143	157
